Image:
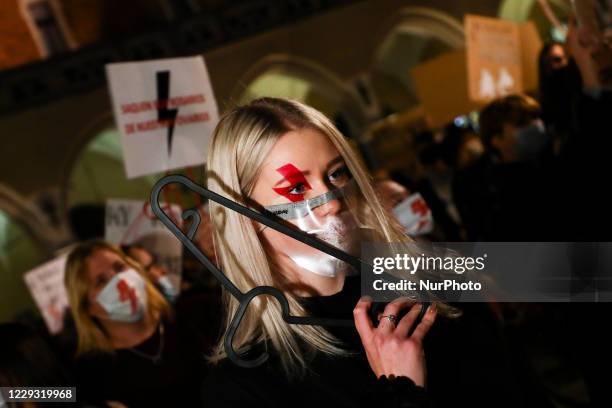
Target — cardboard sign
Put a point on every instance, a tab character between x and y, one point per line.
456	83
531	44
46	284
493	58
133	222
441	84
414	214
165	111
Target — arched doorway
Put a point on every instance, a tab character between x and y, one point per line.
297	78
96	173
413	36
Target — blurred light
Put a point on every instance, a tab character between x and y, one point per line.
559	33
474	119
461	121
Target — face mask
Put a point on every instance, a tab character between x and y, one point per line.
414	215
531	140
340	230
124	298
168	288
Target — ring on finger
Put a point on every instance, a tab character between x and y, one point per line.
391	318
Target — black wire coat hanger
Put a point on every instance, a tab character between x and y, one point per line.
245	298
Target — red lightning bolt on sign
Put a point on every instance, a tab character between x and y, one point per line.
295	177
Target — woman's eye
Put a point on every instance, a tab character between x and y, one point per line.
119	267
340	175
299	188
100	281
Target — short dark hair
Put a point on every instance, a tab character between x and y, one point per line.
517	110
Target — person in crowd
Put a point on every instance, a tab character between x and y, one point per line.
127	330
440	160
411	211
195	302
157	273
585	159
282	156
445	226
272	152
559	85
26	360
509	193
461	146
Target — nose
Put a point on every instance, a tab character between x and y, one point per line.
330	208
110	274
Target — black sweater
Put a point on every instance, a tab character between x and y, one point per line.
329	381
136	381
466	367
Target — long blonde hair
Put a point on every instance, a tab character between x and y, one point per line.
240	142
92	336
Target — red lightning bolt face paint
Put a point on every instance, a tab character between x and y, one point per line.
295	177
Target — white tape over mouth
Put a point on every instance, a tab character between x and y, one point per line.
340	231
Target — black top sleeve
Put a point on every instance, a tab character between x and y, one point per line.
266	386
400	392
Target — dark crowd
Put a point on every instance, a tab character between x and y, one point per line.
528	168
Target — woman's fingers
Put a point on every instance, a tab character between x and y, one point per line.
404	326
385	324
362	319
425	324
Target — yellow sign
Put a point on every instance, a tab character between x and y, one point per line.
441	84
493	58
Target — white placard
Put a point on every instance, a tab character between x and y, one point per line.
133	222
46	285
165	111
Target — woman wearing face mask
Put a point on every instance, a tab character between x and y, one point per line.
131	348
511	193
156	272
288	159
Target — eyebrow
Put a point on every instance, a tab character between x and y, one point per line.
290	175
335	160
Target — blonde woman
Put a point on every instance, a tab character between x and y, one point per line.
288	158
131	348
